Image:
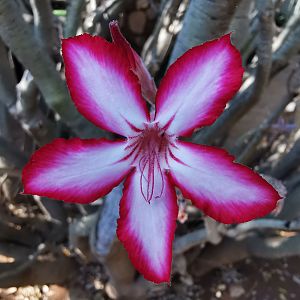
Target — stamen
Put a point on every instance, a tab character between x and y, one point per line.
142	169
149	151
161	176
142	176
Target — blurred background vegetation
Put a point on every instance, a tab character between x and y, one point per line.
54	250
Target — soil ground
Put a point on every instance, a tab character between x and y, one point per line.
251	279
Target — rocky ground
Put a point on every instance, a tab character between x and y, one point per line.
253	279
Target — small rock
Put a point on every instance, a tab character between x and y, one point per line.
11	290
142	4
282	297
218	294
293	296
98	284
222	287
236	291
45	289
187	279
296	278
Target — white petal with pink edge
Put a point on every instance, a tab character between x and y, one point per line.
137	66
197	86
224	190
76	170
101	84
147	229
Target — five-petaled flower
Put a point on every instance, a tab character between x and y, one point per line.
109	84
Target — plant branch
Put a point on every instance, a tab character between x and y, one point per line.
26	110
248	153
252	89
204	20
74	10
11	154
288	162
198	237
18	36
43	23
32	119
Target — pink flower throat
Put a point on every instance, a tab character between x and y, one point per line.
150	151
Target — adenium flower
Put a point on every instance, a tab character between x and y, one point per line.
109	84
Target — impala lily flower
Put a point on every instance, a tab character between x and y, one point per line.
109	83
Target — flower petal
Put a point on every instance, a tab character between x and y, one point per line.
101	84
198	85
136	63
147	229
226	191
76	170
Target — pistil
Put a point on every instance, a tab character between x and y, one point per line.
149	151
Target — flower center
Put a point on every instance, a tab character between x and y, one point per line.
149	151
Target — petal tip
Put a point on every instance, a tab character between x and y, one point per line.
113	24
244	195
46	172
150	255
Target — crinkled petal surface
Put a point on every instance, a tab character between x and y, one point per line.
76	170
147	229
146	81
226	191
102	86
197	86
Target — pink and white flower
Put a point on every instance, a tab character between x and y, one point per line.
109	84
